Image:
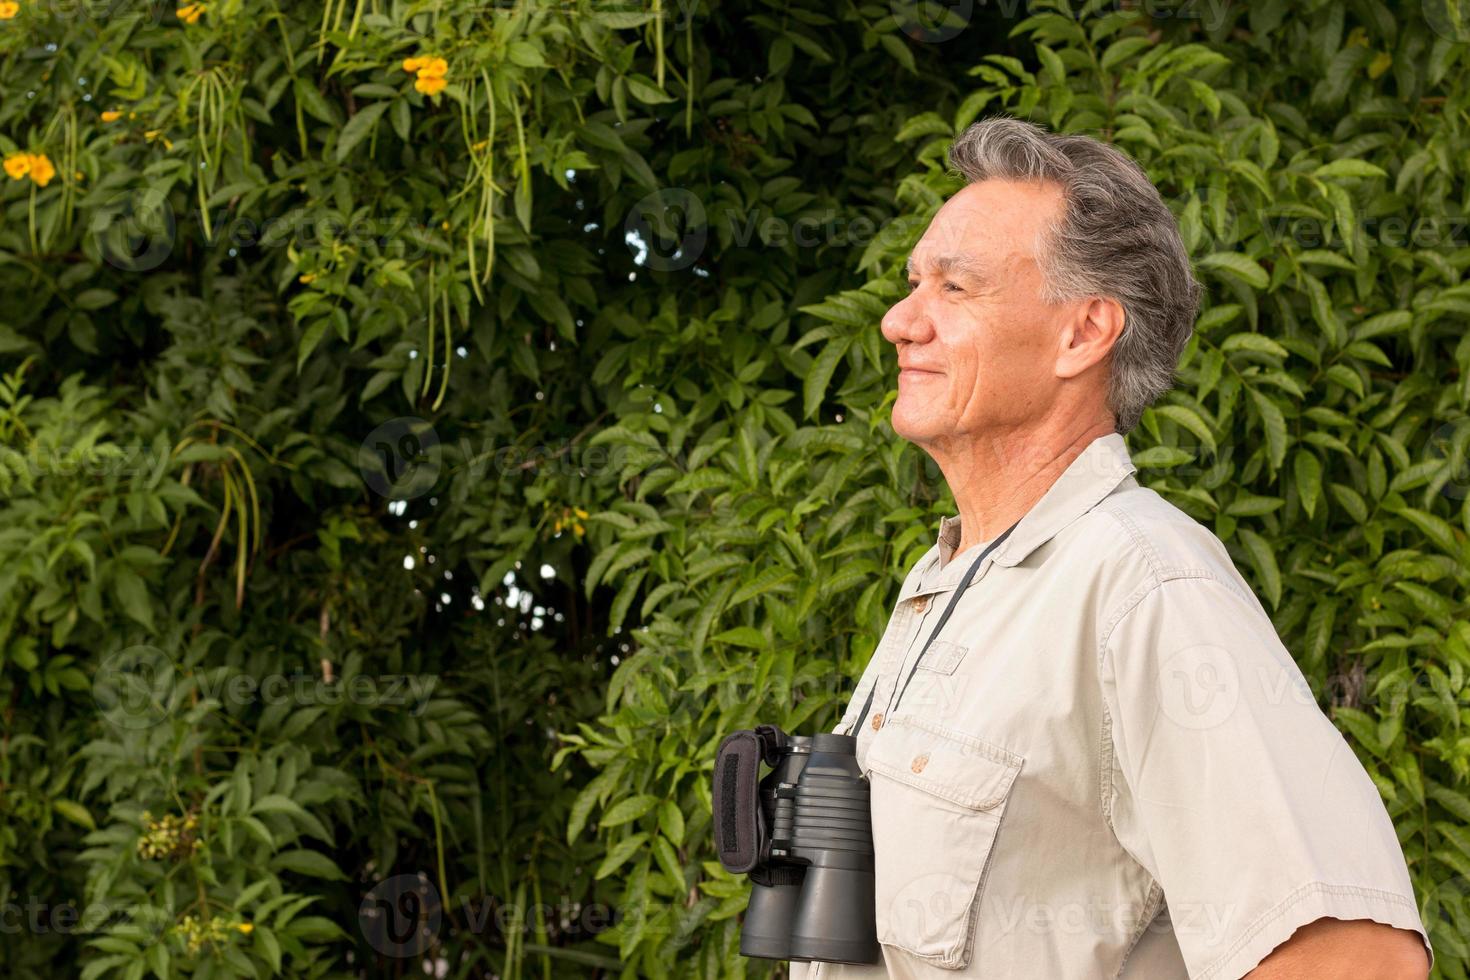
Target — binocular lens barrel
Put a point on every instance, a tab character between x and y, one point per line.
820	903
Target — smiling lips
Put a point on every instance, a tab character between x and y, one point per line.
913	372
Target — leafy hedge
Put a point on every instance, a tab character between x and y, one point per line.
503	384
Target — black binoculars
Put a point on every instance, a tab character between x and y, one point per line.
804	837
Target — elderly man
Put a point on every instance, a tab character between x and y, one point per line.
1089	753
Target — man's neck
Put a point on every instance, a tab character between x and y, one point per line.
997	478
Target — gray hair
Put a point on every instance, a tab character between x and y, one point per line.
1116	238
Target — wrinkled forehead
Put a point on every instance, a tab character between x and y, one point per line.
989	225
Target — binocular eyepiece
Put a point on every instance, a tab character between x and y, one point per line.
804	837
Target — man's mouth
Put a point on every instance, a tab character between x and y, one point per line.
914	373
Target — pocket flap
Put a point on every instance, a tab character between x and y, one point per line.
946	763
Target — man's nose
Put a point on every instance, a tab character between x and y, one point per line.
907	321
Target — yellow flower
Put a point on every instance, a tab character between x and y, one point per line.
433	68
41	169
190	13
306	278
17	165
430	84
245	927
8	9
444	225
111	115
580	512
412	65
80	176
480	145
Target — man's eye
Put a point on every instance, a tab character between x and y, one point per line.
952	286
913	285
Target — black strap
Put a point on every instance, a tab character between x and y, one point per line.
742	827
943	618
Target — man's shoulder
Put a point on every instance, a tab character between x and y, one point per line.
1136	533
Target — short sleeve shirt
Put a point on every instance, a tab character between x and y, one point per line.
1107	764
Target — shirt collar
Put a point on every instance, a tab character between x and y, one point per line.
1096	472
949	538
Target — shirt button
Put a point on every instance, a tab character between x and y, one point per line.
877	721
921	603
920	761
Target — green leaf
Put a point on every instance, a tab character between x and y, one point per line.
133	596
618	854
628	810
1274	423
645	91
1253	342
309	340
1308	470
668	861
745	636
74	812
1191	420
267	947
1123	49
671	822
358	128
1242	267
1264	561
311	863
814	389
1348	168
310	98
896	47
276	803
95	299
525	54
1161	457
1394	321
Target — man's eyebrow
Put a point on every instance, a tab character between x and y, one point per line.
964	265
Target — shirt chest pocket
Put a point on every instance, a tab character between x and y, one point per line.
938	798
942	657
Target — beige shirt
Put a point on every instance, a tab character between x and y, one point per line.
1107	765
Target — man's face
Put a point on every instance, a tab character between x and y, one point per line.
976	343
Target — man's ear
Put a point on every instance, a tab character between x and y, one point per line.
1090	333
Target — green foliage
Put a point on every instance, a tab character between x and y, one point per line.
224	312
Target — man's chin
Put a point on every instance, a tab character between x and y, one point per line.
919	430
